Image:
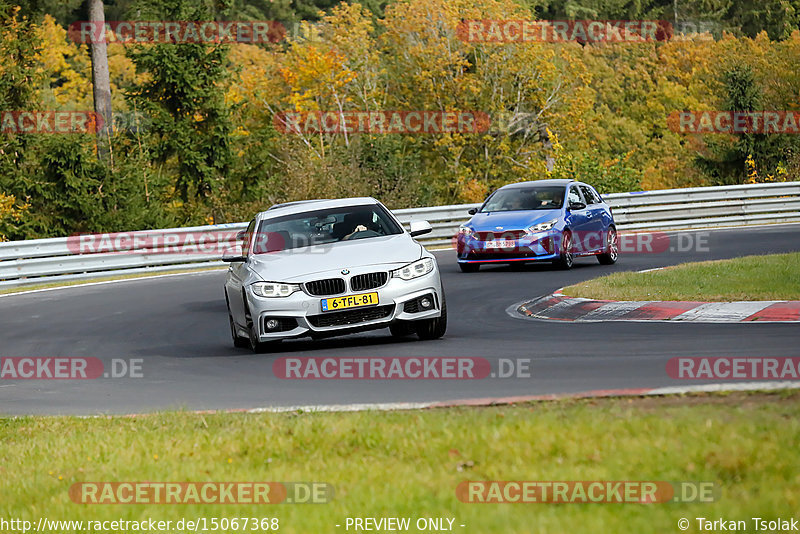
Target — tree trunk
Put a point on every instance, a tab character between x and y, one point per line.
547	144
101	82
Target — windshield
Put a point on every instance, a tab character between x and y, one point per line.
525	198
324	226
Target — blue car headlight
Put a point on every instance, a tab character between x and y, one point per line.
274	289
541	227
466	231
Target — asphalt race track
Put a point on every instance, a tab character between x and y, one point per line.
178	326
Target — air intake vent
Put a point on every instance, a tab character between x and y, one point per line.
322	288
350	317
362	282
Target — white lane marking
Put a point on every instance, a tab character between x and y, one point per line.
104	282
491	401
563	305
764	226
728	386
613	310
724	312
676	390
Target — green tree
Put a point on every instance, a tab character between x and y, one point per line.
190	132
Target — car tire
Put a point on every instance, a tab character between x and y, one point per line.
609	257
253	342
566	258
238	341
428	329
401	328
469	267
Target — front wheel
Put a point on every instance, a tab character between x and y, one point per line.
238	341
256	345
609	257
469	267
433	328
566	258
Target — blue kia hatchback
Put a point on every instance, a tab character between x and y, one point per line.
545	220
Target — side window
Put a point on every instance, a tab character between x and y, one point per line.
248	237
589	195
574	195
597	198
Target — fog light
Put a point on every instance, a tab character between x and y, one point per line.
272	324
426	303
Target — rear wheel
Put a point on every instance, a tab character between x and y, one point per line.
469	267
433	328
609	257
566	258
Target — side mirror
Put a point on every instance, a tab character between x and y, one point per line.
473	211
577	206
233	255
240	235
420	228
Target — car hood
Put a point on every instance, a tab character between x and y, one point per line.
298	264
511	220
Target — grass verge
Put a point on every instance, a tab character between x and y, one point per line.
408	464
771	277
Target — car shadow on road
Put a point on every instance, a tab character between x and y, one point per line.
377	339
580	263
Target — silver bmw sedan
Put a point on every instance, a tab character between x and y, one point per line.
329	267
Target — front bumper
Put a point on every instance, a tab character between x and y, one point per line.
300	314
542	246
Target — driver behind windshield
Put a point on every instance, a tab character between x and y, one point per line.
361	221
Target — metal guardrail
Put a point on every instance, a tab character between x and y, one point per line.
63	259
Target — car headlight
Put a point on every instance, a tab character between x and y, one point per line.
414	270
274	289
541	227
465	231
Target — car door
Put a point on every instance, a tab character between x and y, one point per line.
237	272
605	210
595	209
578	219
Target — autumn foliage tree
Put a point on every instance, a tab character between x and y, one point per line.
212	151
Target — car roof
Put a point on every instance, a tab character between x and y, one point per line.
293	203
523	185
301	206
